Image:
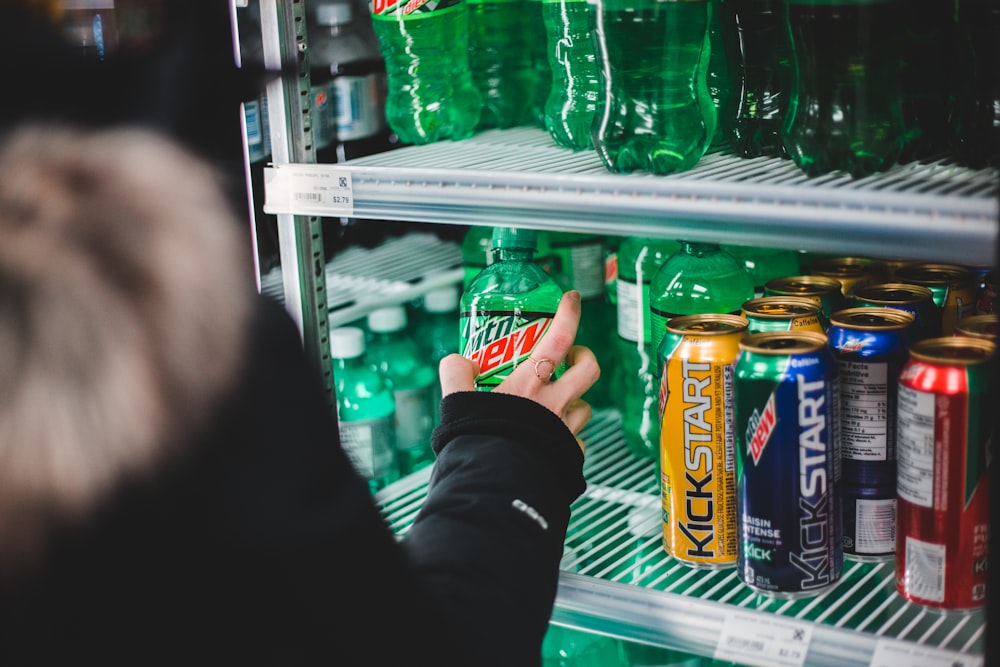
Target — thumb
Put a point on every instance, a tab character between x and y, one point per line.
457	374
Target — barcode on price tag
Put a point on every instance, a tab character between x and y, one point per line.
893	652
305	190
763	641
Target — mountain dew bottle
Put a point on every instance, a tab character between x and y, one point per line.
699	278
507	309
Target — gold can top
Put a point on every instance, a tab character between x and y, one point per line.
707	324
871	319
781	307
894	293
954	350
784	342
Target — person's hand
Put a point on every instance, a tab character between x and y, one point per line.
531	378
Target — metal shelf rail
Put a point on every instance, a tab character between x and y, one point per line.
923	211
617	580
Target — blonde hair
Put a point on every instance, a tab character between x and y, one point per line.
125	292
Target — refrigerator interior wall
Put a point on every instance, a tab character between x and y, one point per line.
629	588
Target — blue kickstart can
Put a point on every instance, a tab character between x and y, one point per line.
788	464
870	346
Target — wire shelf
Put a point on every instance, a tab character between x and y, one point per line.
614	567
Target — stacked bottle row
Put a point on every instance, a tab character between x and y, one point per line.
387	385
851	85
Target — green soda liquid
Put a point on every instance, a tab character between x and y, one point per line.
639	259
700	278
507	309
477	253
366	409
430	92
577	262
576	82
500	61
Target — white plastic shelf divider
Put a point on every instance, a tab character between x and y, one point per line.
360	280
924	211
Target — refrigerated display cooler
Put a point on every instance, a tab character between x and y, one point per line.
616	579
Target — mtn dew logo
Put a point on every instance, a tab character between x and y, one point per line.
406	7
760	426
499	340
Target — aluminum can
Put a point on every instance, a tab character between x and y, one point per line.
979	326
953	287
788	464
697	459
914	299
823	290
947	398
870	345
782	313
851	272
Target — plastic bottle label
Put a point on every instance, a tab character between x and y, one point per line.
499	341
320	116
370	444
414	416
407	7
358	106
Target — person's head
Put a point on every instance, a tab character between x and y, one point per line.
125	286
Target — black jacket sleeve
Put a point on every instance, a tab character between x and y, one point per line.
489	537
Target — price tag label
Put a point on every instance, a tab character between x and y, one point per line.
893	652
302	190
763	641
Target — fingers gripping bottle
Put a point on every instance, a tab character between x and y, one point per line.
366	409
657	113
507	309
576	81
845	112
430	91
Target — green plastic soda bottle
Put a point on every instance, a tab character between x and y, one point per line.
507	309
437	332
699	278
765	264
477	253
576	81
577	262
366	409
395	354
638	260
426	49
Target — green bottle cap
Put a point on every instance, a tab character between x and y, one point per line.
511	237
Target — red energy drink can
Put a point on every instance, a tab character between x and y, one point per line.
945	424
697	459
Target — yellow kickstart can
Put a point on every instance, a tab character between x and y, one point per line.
697	457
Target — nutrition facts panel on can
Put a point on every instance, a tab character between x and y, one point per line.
864	408
915	459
